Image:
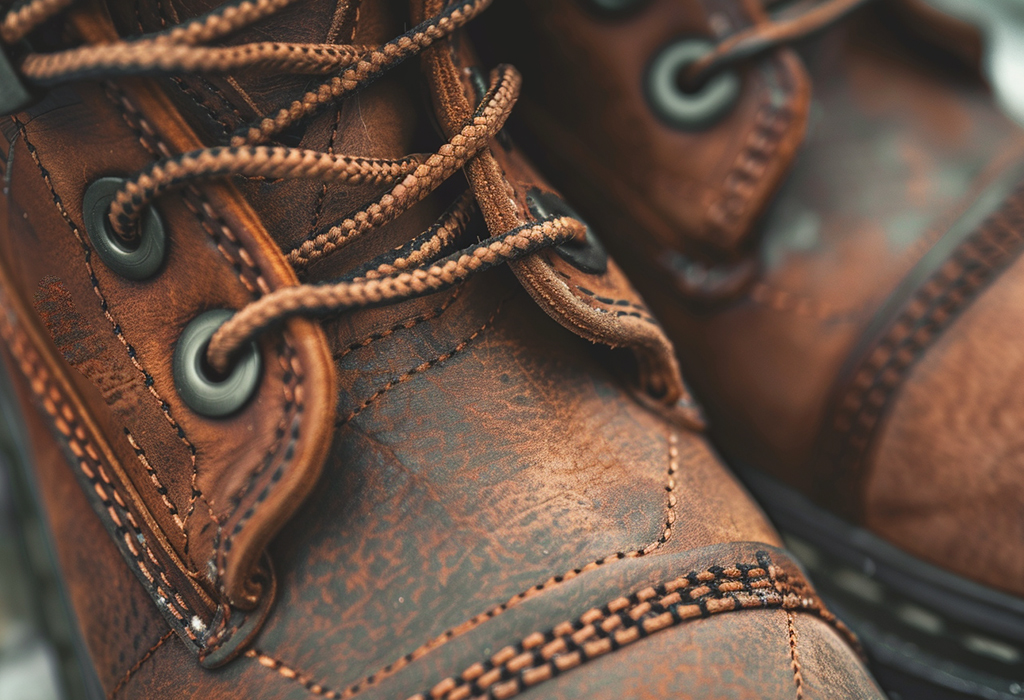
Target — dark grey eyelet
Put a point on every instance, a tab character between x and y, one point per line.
695	110
589	256
204	393
614	8
139	262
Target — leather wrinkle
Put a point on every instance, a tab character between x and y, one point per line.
318	688
542	655
147	378
403	325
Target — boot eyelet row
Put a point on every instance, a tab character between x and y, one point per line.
684	109
136	262
199	386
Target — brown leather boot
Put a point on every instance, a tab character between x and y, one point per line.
823	206
290	444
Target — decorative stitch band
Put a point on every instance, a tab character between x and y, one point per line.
543	655
864	395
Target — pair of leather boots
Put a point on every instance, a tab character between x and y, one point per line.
326	392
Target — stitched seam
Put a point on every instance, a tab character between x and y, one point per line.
291	674
138	664
404	325
751	164
293	401
460	629
423	367
794	657
209	109
280	432
218	230
639	311
194	95
147	378
857	413
54	402
319	208
540	656
120	101
784	301
160	489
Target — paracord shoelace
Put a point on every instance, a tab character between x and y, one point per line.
415	269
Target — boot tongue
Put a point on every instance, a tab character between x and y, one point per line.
384	120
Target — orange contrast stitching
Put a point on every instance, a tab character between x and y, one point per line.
138	664
148	382
160	489
474	622
291	674
90	464
421	368
542	655
794	657
404	325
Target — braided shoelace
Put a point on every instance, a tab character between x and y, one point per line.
795	21
425	265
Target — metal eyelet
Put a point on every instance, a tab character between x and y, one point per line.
588	256
197	384
614	8
690	111
139	262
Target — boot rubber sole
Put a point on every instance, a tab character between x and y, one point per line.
929	634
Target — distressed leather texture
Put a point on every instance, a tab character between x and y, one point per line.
871	359
419	494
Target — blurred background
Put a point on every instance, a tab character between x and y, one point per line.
28	661
38	640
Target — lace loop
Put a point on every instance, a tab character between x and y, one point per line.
330	299
485	123
764	37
